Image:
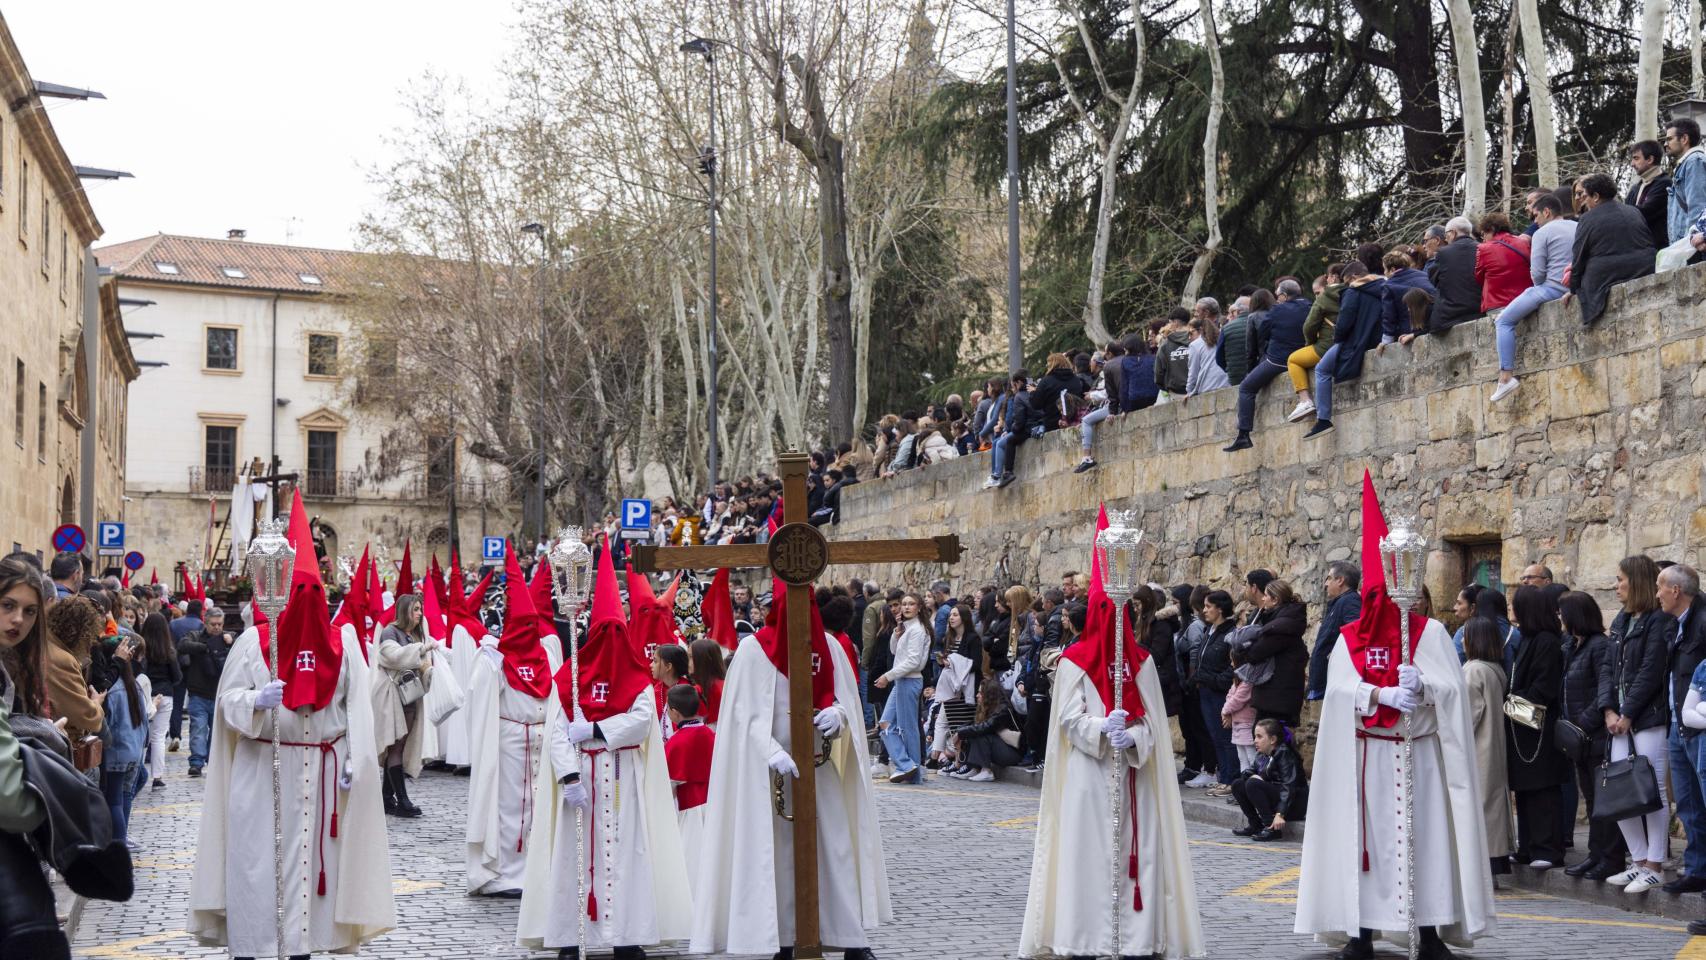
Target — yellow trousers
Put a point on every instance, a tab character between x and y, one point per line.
1299	364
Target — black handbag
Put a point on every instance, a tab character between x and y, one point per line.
1627	788
1571	739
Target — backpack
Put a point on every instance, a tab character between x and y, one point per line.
1137	382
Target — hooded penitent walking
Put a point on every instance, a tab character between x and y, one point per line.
337	873
1352	887
744	885
609	761
507	698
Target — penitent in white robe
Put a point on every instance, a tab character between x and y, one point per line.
452	735
747	850
231	894
1068	911
1454	890
637	873
508	738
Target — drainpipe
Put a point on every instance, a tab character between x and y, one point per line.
272	411
92	381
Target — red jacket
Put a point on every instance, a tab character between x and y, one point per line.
688	755
1501	267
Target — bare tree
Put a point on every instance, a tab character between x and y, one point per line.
1210	159
1648	66
1472	106
1540	92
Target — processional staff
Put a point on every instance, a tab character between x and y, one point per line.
571	573
269	559
1404	552
1118	557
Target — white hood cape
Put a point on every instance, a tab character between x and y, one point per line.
671	896
735	907
484	688
364	902
1327	899
1061	860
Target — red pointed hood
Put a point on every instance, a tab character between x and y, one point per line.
717	611
773	638
1380	628
354	611
461	611
432	610
435	583
1094	651
612	673
310	652
405	575
651	622
153	575
544	598
526	666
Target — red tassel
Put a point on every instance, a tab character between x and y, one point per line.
334	823
1137	898
592	907
322	891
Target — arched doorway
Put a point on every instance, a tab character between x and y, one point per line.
68	502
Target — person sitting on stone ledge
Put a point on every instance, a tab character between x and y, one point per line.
1612	246
1276	340
1357	332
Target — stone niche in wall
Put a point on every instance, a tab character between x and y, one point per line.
1598	455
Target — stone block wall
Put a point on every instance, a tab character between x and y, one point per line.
1598	455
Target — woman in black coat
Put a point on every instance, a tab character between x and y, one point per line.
1587	657
1535	767
1282	620
1612	245
1635	693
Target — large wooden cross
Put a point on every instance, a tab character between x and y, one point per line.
798	554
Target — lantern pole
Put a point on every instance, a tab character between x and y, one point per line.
1117	547
269	556
1403	551
571	569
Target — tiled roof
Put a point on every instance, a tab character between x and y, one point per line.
239	264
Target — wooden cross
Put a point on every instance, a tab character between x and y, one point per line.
798	554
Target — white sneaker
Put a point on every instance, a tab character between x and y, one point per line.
882	770
1304	408
1625	878
1504	390
982	776
1646	881
1540	865
1202	780
991	483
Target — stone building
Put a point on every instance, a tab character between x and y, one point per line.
1597	456
65	365
256	350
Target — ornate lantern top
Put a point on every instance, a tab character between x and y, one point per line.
1403	555
571	571
1118	555
269	560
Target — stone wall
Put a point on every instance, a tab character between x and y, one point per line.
1598	455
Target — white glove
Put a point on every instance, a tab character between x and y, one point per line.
494	656
1121	739
346	776
578	729
1397	698
1410	678
1115	721
575	795
828	721
270	696
780	762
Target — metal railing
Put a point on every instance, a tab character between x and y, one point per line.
328	484
203	480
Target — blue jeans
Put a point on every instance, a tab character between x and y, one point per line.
1253	382
1087	427
1687	763
1226	755
1324	383
900	730
119	788
200	710
1517	311
998	458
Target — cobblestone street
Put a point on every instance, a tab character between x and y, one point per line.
958	857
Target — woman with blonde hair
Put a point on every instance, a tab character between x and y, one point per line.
1019	602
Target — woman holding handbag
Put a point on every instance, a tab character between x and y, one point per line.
1535	767
1632	692
1588	655
403	657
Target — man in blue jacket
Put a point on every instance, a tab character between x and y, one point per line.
1276	341
1344	605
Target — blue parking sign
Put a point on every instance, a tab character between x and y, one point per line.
492	550
637	514
109	538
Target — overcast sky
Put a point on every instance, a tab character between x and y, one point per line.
233	114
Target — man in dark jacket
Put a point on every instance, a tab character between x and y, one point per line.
1235	348
1356	333
1459	294
1409	296
202	654
1276	341
1651	192
1344	605
1613	245
1679	596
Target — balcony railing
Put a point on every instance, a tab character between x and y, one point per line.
329	484
203	480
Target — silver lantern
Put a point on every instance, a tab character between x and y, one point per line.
1118	555
571	568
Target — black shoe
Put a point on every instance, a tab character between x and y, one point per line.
511	894
463	771
1267	835
1248	830
1697	928
1006	478
860	953
786	953
629	953
400	788
1603	872
195	771
1584	868
1321	426
1359	948
569	953
1685	884
1187	774
1432	947
1242	443
1087	463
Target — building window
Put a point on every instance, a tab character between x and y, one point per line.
235	273
310	278
439	468
219	457
162	266
24	203
64	262
18	415
45	261
322	463
322	355
221	348
41	422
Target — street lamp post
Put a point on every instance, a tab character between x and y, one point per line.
704	47
1015	347
538	230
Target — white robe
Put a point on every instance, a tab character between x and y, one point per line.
1454	889
448	740
748	850
1068	911
637	874
508	738
231	893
